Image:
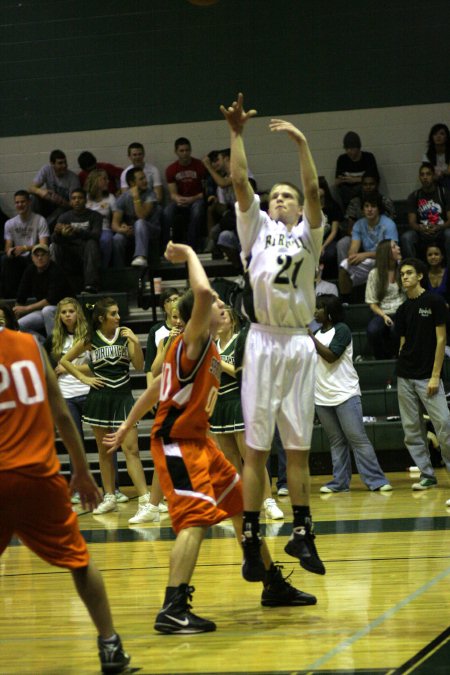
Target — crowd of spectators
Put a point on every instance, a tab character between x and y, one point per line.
109	216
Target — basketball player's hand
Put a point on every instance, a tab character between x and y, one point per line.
235	114
176	253
114	439
83	483
289	128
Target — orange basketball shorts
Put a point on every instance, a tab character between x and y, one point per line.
201	486
38	511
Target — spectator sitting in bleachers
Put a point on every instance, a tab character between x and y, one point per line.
438	274
217	164
428	216
384	296
369	183
438	153
223	236
76	244
333	217
46	284
168	299
21	233
351	166
136	155
323	287
88	163
104	203
186	213
366	235
52	187
136	220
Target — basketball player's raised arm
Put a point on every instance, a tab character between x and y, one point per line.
236	118
308	171
197	328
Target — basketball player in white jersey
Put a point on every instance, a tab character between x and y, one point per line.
280	256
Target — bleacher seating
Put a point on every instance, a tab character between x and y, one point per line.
133	290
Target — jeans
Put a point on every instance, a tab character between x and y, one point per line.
145	231
75	405
383	339
343	424
412	395
106	247
195	214
80	258
38	322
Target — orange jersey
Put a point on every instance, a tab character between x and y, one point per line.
188	392
26	425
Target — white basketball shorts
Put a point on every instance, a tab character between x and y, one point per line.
278	387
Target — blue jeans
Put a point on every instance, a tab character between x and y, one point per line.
195	214
75	405
412	395
106	247
383	339
146	232
39	322
343	424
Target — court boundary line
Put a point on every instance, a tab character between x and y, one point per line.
362	632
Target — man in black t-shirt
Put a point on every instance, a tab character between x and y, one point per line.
47	284
428	215
420	322
351	166
76	241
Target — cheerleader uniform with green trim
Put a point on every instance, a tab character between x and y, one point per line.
227	416
109	406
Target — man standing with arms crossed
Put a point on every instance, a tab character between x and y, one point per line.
280	255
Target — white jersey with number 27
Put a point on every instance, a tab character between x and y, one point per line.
281	266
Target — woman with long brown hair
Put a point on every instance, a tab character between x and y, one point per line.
384	296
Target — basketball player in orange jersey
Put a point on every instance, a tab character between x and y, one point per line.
30	401
201	486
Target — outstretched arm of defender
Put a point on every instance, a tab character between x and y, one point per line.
308	171
236	118
197	328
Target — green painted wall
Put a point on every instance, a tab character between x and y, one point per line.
81	65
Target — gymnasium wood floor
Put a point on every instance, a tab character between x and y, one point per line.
383	606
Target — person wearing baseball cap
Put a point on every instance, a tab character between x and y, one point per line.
47	284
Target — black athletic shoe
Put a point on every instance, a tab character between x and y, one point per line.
301	545
113	658
177	617
252	567
278	591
